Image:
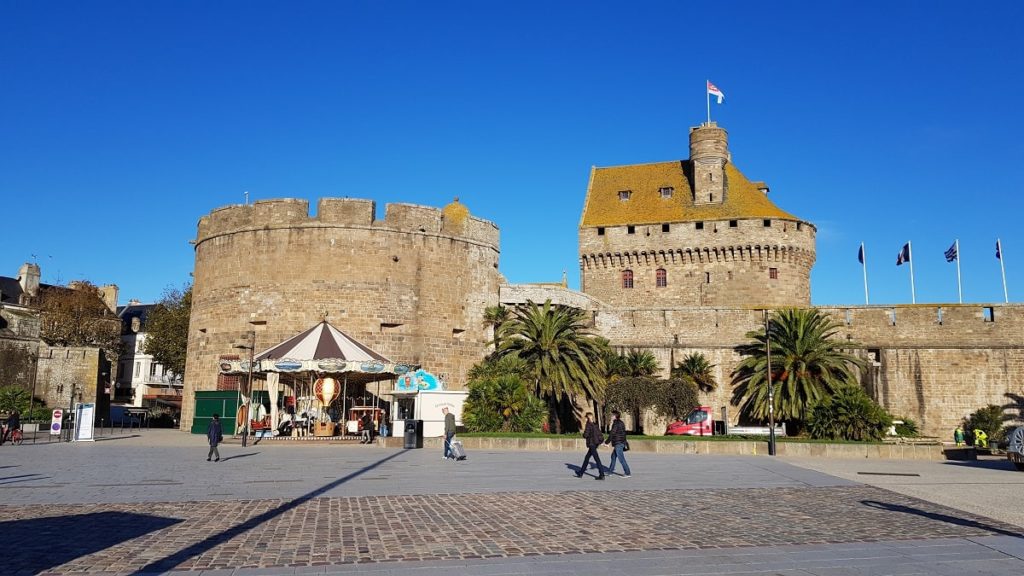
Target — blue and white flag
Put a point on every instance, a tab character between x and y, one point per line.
904	255
951	253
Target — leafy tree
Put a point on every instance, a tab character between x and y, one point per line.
78	316
17	365
565	359
678	396
850	414
631	395
808	365
13	397
167	329
502	403
696	368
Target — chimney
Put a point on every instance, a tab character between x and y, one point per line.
110	296
28	277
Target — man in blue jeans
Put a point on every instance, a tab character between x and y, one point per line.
617	438
449	431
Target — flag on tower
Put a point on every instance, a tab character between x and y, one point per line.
904	255
951	253
714	91
860	253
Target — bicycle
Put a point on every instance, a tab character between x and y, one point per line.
16	436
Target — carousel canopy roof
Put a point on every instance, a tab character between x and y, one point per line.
322	342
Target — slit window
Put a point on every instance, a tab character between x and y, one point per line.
624	195
707	277
666	191
627	278
988	314
733	223
773	273
665	227
660	278
798	226
600	231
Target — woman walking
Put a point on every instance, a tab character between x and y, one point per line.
617	438
594	438
215	436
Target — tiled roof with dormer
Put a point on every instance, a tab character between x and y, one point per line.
647	206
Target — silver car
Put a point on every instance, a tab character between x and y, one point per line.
1015	447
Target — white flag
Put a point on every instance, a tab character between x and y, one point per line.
714	91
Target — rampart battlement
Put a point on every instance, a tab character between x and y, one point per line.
345	212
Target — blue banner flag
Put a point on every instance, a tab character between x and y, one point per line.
951	253
999	254
860	254
904	256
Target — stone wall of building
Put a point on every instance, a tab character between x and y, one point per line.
747	262
62	369
412	286
933	372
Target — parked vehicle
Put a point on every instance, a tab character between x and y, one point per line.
1015	448
124	416
699	422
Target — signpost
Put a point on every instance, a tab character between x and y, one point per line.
84	414
55	423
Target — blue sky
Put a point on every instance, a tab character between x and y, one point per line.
121	123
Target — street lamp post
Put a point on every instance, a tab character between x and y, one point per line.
771	386
251	347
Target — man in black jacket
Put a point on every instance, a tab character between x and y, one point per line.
594	438
617	438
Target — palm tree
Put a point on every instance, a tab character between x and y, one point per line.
696	368
808	365
565	359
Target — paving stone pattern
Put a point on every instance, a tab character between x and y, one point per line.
152	537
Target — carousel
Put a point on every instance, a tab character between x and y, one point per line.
321	383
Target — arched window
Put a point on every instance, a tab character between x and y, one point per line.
627	278
660	278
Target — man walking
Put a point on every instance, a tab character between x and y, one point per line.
449	431
594	438
215	436
617	438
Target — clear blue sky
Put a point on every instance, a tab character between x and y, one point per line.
122	123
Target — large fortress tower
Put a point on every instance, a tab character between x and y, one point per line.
412	286
693	232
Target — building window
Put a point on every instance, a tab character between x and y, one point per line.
767	223
660	278
666	191
138	368
627	278
707	277
699	225
152	370
797	226
665	227
600	231
624	195
733	223
630	229
988	314
773	273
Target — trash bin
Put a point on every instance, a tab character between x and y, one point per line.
414	434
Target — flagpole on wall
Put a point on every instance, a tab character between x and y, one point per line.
1002	268
959	289
708	94
864	264
910	253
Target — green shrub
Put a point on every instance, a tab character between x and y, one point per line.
850	414
908	429
991	419
502	403
14	397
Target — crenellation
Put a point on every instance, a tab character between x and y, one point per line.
280	212
413	217
352	211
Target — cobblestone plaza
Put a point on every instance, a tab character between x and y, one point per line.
150	503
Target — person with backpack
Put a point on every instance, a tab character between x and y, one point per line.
592	434
617	439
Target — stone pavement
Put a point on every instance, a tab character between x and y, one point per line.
152	504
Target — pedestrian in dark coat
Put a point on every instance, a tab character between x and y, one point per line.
617	438
592	434
215	436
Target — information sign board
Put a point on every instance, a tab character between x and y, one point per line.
55	423
84	415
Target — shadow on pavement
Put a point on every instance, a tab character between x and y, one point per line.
168	563
239	456
988	464
125	437
22	478
941	517
35	545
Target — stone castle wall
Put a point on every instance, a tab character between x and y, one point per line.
412	286
935	373
719	264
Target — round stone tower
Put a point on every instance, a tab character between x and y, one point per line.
709	151
412	286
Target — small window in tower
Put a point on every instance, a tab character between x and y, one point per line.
798	226
625	194
707	277
988	314
733	223
665	227
627	278
666	191
660	278
630	229
699	225
773	273
767	223
600	230
728	275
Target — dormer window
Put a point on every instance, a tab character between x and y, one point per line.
666	191
624	195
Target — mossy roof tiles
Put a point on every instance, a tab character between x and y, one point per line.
646	205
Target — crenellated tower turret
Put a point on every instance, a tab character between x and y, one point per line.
709	152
